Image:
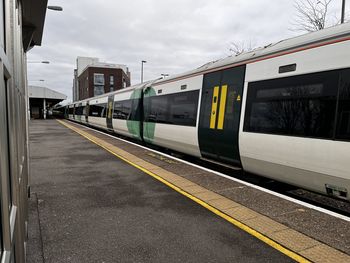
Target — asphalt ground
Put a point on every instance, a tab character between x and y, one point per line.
89	206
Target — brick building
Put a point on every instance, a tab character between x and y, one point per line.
93	78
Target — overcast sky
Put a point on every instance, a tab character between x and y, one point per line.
173	36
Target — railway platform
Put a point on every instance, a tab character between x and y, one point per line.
97	198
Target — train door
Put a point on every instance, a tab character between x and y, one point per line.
142	114
79	111
220	115
87	112
110	112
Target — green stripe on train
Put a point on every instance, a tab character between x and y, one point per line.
148	127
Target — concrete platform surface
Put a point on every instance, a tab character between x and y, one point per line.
314	235
89	206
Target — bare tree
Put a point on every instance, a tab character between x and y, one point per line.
240	47
312	15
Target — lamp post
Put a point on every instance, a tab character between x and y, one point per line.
142	62
43	62
342	12
37	80
55	8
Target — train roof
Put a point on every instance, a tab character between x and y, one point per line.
283	46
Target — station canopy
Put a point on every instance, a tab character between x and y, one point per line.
51	96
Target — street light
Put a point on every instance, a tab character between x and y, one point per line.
142	62
44	62
55	8
342	12
42	80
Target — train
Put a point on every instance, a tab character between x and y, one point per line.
281	111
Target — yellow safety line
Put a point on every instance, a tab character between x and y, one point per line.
233	221
214	107
222	107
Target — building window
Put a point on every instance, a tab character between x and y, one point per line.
99	79
111	88
111	80
98	90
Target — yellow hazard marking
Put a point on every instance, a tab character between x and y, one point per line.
214	107
238	98
222	108
110	106
233	221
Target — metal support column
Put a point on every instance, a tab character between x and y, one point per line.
44	108
342	12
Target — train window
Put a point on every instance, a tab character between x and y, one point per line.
183	108
94	111
343	115
287	68
301	105
177	109
136	110
127	110
122	109
158	109
79	110
98	110
103	110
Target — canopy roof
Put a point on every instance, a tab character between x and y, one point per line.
45	93
33	22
